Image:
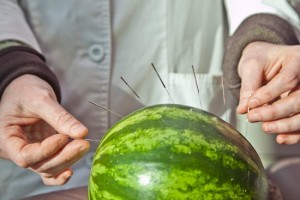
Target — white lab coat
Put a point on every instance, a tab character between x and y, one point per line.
91	44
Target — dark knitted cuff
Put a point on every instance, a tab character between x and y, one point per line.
260	27
16	61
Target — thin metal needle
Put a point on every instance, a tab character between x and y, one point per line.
130	87
197	86
162	82
247	120
106	109
87	139
91	140
224	98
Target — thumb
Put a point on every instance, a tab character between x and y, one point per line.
61	120
251	80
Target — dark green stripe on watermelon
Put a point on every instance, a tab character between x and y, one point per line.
175	152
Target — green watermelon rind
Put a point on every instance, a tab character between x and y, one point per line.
131	135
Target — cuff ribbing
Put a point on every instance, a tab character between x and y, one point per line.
16	61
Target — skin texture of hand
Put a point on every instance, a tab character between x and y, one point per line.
37	133
270	77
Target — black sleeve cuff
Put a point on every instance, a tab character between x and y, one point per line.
16	61
259	27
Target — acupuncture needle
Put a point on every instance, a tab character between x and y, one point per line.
197	86
107	109
130	87
247	120
87	139
224	99
91	140
162	82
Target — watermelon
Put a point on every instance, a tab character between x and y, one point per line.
171	151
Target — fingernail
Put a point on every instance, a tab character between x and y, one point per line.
238	108
67	176
242	104
281	140
79	130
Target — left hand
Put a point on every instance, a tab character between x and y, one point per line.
270	88
36	131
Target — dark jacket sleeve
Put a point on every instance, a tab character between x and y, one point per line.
259	27
16	61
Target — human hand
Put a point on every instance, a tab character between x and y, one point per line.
270	89
35	130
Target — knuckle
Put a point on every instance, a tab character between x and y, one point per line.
254	47
251	60
289	80
288	127
45	170
64	117
273	114
252	54
267	94
21	161
247	90
43	97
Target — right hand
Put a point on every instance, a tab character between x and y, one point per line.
270	88
35	130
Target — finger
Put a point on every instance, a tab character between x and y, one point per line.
282	108
60	179
62	121
288	138
286	80
37	152
66	157
251	79
24	154
286	125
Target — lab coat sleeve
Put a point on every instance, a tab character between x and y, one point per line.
270	26
13	25
16	61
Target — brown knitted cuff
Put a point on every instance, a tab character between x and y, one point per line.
16	61
260	27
